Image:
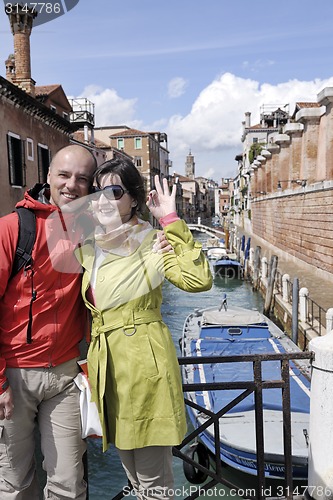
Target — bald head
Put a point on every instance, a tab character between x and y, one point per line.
70	174
75	153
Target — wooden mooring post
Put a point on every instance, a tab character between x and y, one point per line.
256	268
270	284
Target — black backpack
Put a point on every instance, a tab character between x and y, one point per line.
27	234
26	240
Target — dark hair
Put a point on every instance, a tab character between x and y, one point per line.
130	177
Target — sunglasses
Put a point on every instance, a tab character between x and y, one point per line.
112	192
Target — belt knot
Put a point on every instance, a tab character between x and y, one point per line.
125	319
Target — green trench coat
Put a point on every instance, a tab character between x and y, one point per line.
132	362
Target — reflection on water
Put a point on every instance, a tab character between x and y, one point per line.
106	476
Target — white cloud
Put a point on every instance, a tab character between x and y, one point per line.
176	87
258	64
110	108
213	127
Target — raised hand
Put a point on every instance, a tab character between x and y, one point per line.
160	201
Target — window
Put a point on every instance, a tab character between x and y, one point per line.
53	108
65	115
120	143
16	160
30	149
254	140
138	143
138	161
43	162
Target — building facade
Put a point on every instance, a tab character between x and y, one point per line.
30	134
147	149
291	185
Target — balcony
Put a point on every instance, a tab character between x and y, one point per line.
83	112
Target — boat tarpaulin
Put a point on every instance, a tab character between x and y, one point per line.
243	371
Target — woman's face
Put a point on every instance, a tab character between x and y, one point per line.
110	212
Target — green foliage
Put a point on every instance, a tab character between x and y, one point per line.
255	151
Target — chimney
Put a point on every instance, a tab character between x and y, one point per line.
10	68
247	119
21	25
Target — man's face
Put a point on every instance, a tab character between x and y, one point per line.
70	176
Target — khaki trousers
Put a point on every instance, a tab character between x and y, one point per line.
150	472
50	398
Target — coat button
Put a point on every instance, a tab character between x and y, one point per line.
101	278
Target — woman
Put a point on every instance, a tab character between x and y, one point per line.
132	362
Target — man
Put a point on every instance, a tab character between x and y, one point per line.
36	375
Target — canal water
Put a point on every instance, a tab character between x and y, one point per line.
106	476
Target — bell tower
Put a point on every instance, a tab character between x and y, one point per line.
190	166
18	68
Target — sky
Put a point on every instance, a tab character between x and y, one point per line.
190	68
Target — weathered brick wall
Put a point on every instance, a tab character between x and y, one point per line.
301	225
20	122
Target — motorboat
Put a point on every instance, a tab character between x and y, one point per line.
215	253
225	332
228	266
214	248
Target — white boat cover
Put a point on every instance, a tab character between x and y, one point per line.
232	317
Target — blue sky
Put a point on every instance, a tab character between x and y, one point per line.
186	67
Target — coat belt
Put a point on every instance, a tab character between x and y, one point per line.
125	319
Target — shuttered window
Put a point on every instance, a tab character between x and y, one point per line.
138	161
16	160
43	162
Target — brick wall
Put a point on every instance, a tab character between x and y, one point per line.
19	121
300	224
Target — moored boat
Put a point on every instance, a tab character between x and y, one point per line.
214	253
214	248
228	266
240	332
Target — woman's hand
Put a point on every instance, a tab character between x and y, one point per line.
161	244
160	201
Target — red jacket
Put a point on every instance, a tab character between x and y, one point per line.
60	319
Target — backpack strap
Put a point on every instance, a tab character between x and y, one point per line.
26	239
23	258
